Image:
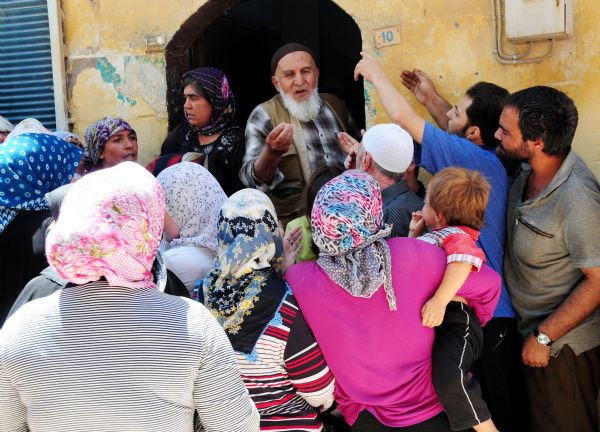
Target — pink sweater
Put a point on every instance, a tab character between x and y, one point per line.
381	359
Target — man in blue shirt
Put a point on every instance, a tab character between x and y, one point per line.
468	142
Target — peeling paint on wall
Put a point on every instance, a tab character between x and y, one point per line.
147	79
370	109
110	76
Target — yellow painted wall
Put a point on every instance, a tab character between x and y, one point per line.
110	73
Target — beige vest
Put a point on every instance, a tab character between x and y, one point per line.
287	196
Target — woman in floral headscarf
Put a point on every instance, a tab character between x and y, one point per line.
279	360
31	164
108	142
363	300
193	198
210	129
110	351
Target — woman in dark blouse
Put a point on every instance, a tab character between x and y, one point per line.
209	129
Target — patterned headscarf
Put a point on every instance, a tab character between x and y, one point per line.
193	198
110	226
30	166
347	227
96	136
221	99
250	252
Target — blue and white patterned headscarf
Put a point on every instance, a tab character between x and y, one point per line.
250	250
30	166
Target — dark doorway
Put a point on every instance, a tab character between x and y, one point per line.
241	40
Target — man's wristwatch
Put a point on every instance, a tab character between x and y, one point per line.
542	338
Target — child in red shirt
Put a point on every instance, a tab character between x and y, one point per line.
454	208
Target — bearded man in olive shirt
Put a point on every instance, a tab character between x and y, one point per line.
552	259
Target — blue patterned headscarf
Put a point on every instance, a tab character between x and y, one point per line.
216	87
96	136
30	166
250	250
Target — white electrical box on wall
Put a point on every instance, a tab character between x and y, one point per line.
531	20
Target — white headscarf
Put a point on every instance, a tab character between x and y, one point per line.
5	125
193	198
29	125
65	135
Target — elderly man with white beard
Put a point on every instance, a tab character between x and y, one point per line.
294	133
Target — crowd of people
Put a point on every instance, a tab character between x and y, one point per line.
296	275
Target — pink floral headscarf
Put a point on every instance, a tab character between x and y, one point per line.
110	225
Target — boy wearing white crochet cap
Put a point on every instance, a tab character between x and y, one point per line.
386	152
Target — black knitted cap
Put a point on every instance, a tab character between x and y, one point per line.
289	48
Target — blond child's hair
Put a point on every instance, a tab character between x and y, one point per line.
460	195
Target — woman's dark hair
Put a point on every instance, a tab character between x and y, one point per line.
321	176
190	80
485	109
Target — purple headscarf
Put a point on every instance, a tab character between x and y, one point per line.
96	136
216	87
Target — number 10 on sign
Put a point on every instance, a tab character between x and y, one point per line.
387	36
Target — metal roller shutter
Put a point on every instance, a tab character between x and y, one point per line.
26	85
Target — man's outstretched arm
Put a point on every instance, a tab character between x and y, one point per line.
395	103
265	147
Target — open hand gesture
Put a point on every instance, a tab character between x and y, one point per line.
419	83
279	139
349	146
292	243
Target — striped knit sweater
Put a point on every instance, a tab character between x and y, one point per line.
101	358
289	380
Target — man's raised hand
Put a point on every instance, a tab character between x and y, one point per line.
419	83
368	67
279	139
